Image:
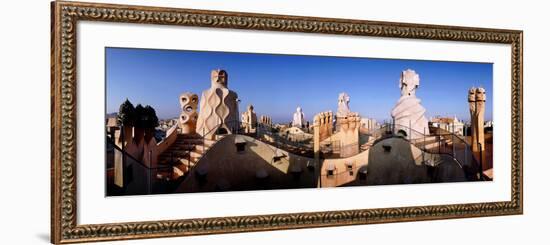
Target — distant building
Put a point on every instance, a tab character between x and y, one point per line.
452	125
369	123
166	124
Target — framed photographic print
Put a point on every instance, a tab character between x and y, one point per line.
174	122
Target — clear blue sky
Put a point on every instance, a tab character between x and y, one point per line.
276	84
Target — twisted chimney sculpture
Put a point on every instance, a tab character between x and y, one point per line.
476	100
408	113
298	118
219	110
188	117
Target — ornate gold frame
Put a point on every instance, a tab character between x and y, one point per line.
65	15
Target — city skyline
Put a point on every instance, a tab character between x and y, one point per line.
276	84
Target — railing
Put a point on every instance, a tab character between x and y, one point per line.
137	177
271	136
460	150
435	143
376	134
171	136
335	149
264	133
174	160
233	125
439	142
302	146
332	147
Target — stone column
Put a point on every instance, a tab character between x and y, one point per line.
473	120
325	124
480	117
249	120
349	135
266	120
123	141
476	100
317	146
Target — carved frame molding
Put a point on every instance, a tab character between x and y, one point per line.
65	16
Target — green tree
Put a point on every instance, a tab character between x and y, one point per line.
126	114
146	117
152	119
141	117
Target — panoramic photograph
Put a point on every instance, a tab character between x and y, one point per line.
184	121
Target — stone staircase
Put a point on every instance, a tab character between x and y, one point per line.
185	153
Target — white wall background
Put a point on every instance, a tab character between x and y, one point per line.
25	100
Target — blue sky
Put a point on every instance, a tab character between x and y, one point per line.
276	84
